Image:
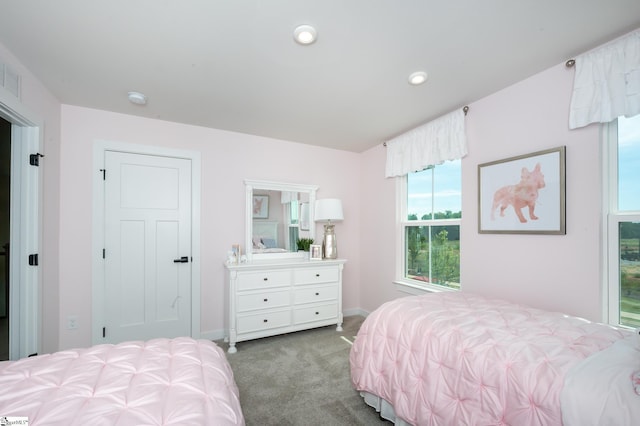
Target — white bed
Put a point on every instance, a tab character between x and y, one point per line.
178	381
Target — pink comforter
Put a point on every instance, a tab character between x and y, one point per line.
158	382
460	359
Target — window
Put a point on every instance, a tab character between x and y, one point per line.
431	210
623	238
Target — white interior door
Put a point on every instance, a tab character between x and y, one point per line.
147	247
26	227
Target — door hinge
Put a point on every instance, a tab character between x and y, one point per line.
33	259
104	174
104	332
34	159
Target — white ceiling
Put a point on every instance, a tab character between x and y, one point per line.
233	65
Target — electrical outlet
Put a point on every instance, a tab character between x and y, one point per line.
72	322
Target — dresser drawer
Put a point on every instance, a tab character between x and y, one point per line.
263	279
326	274
316	293
315	313
263	321
263	300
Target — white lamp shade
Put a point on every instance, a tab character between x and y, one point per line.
328	210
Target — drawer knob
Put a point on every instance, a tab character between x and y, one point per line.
317	294
317	275
264	320
317	313
265	279
266	300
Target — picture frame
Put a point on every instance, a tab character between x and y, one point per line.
315	252
260	206
523	194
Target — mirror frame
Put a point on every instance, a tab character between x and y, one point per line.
250	186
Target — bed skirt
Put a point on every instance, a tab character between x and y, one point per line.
383	407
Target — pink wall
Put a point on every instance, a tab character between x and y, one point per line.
548	271
227	159
37	99
553	272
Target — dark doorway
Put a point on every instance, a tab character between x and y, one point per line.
5	211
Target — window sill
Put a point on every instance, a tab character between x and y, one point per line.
419	289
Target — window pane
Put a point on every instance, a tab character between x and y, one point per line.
417	253
293	212
432	254
629	237
293	238
447	192
419	195
629	163
445	255
435	193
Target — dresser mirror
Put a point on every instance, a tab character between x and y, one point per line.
277	215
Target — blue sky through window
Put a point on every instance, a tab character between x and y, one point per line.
629	163
445	195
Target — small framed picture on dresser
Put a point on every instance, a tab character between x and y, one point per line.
315	252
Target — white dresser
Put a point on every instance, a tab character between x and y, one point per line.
269	298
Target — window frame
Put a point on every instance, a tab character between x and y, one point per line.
611	218
402	283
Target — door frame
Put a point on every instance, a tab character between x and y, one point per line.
100	147
25	281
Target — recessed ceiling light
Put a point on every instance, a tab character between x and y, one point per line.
137	98
305	34
417	78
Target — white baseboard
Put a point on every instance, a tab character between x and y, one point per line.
213	335
355	311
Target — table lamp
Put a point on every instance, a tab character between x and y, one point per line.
329	210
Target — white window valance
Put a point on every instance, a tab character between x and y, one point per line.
432	143
288	196
607	82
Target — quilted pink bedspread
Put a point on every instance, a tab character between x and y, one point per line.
159	382
461	359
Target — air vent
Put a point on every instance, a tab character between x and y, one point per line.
9	79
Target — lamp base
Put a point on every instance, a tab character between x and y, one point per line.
329	244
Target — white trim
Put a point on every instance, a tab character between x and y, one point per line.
409	287
401	191
213	335
15	112
611	218
610	293
402	283
99	149
27	141
26	228
355	311
250	185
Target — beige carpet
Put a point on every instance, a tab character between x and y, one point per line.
300	379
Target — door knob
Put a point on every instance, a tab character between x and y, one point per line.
183	259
